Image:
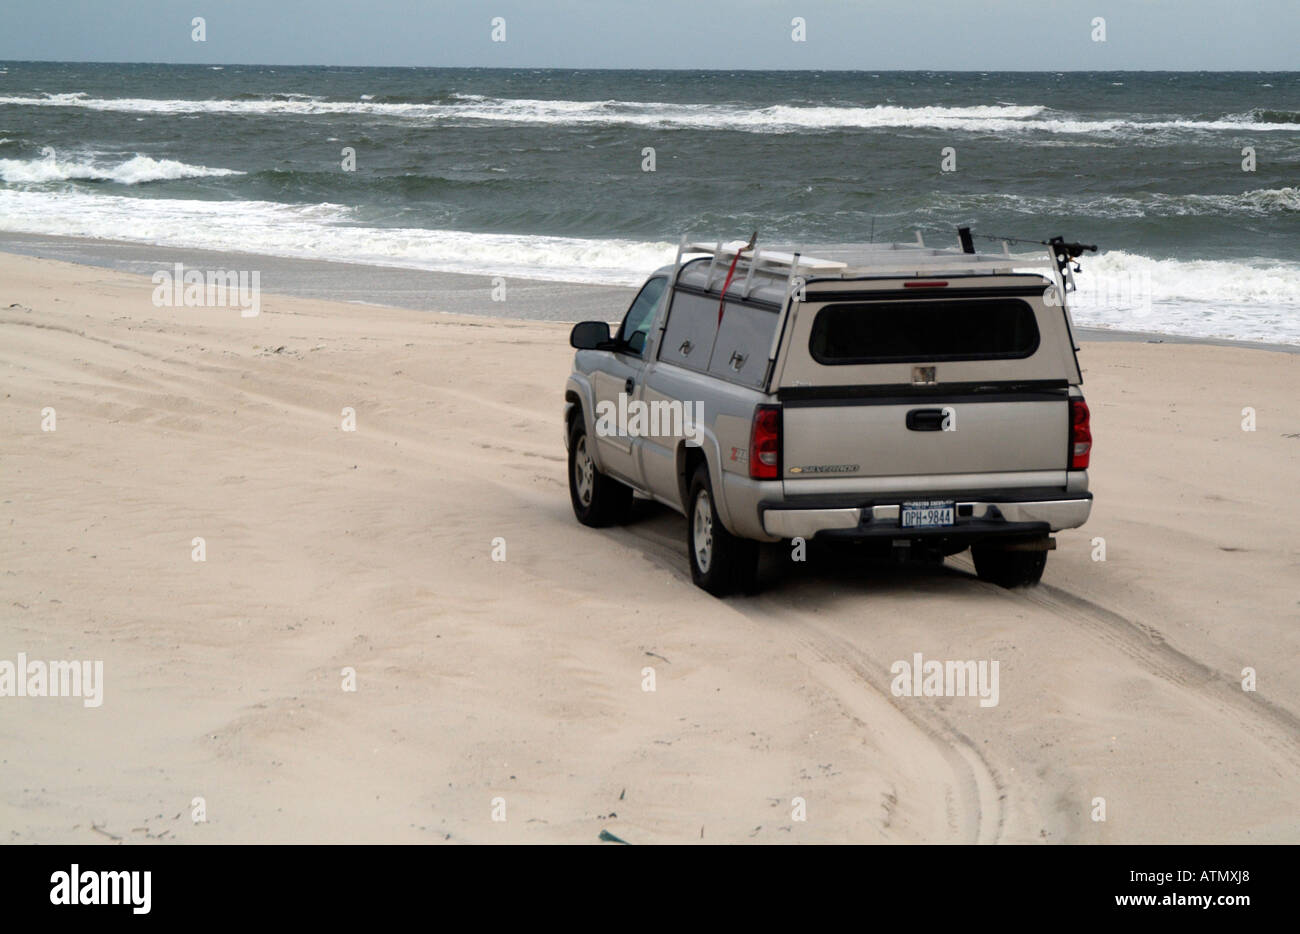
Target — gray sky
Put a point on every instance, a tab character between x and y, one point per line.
841	34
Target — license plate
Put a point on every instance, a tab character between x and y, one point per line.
928	513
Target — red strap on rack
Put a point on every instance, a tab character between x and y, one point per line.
722	302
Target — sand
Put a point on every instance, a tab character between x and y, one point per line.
514	688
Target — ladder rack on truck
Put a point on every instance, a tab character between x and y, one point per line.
735	264
858	261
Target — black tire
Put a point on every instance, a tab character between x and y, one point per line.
721	563
1008	568
600	500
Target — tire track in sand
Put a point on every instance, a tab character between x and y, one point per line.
855	679
1277	728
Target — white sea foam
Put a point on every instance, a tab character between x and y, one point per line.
1253	282
773	119
1242	299
133	171
326	232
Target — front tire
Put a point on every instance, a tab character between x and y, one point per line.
598	500
721	563
1008	568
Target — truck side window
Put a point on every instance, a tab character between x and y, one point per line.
639	318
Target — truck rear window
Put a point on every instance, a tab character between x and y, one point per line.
900	332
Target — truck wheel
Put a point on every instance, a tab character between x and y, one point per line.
1008	568
598	500
721	563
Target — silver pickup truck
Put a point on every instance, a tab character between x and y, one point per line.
903	397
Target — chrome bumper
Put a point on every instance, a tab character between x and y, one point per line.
805	523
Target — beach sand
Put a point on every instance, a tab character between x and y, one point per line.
515	688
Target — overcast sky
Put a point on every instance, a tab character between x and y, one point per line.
841	34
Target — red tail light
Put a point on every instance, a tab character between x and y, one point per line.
1080	435
765	443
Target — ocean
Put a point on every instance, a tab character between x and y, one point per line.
540	173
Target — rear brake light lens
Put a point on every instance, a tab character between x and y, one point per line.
1080	435
913	284
765	443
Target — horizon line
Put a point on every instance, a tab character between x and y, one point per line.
56	61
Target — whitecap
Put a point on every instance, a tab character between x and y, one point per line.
134	171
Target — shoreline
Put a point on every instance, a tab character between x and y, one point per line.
427	290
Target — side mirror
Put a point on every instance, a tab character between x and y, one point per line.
590	335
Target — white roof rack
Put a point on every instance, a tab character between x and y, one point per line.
865	259
766	258
847	261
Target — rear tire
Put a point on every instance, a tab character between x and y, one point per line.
598	500
1008	568
721	563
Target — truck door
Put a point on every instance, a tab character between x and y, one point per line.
620	375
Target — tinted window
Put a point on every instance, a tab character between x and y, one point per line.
899	332
636	324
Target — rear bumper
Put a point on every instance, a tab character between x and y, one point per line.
974	519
